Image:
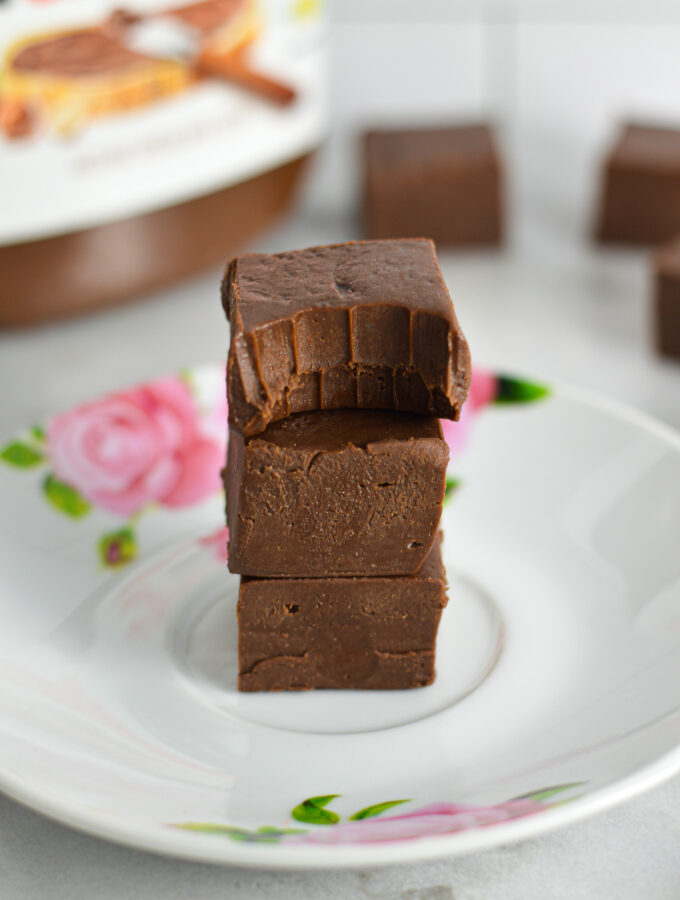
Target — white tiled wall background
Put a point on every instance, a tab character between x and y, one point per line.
556	77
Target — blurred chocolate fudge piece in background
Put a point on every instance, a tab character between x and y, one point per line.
640	194
666	300
443	183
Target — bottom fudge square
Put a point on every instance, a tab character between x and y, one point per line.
296	634
334	493
667	299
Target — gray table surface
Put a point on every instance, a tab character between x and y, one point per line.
546	306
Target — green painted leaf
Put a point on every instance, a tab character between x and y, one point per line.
21	455
252	837
312	812
546	793
211	828
452	484
230	831
273	829
268	834
65	498
369	811
117	548
38	433
515	390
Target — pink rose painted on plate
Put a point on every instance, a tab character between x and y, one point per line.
135	448
126	453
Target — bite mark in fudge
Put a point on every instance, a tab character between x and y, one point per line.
667	299
367	324
338	492
360	633
640	201
442	182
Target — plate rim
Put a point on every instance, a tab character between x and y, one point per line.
198	847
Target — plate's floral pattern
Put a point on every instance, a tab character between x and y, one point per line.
157	445
370	826
486	388
132	449
126	453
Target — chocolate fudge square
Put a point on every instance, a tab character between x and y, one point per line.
640	202
336	492
667	299
445	183
367	324
297	634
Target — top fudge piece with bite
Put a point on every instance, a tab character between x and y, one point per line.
366	324
640	201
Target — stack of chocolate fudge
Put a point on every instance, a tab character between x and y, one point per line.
342	359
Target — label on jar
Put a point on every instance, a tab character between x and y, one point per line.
111	111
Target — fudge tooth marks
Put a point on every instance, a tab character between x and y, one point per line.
365	324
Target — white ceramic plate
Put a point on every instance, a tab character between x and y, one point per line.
558	687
